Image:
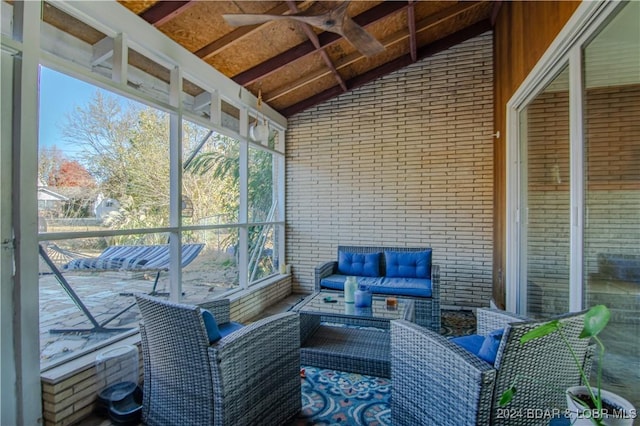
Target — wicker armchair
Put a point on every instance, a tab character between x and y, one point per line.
249	377
437	382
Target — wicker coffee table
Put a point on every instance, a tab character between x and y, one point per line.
339	336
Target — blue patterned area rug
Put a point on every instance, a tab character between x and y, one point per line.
332	397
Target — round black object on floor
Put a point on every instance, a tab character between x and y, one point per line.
127	411
116	392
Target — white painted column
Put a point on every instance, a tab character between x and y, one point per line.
175	187
243	214
26	394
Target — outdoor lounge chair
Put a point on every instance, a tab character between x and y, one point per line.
117	258
248	377
435	381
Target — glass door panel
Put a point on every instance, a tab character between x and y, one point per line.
545	229
612	194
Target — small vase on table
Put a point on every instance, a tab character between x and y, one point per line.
363	297
350	286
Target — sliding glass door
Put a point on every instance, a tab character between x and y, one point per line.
544	148
611	181
575	209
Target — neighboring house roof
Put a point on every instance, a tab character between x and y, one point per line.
45	194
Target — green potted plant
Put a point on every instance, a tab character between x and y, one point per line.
586	404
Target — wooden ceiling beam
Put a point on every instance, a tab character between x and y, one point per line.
303	49
422	25
164	11
340	63
313	37
411	24
394	65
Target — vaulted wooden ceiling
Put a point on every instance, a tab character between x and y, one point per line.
296	66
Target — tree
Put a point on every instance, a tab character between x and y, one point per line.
225	167
56	170
126	147
72	173
49	163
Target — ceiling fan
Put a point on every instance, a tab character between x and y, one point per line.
334	20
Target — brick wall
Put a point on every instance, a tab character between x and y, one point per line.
406	160
249	306
69	391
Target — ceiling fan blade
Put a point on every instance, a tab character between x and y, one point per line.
325	21
241	19
366	44
336	20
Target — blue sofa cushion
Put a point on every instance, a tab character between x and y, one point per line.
489	348
336	281
359	264
213	333
229	327
485	348
471	343
412	264
416	287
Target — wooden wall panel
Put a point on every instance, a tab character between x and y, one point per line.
523	32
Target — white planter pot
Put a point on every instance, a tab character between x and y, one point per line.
581	416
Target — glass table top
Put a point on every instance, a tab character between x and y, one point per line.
332	303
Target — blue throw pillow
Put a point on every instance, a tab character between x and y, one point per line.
489	349
472	343
359	264
410	264
211	325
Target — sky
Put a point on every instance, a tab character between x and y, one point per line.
59	95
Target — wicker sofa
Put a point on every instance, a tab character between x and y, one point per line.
424	289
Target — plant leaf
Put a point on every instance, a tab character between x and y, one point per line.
540	331
595	320
507	396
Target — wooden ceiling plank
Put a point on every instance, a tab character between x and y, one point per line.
494	11
333	69
164	11
446	14
394	65
423	25
458	37
411	23
222	43
313	101
340	63
313	37
238	34
326	38
274	64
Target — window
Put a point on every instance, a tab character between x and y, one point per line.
105	173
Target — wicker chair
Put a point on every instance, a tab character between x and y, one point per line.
437	382
249	377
